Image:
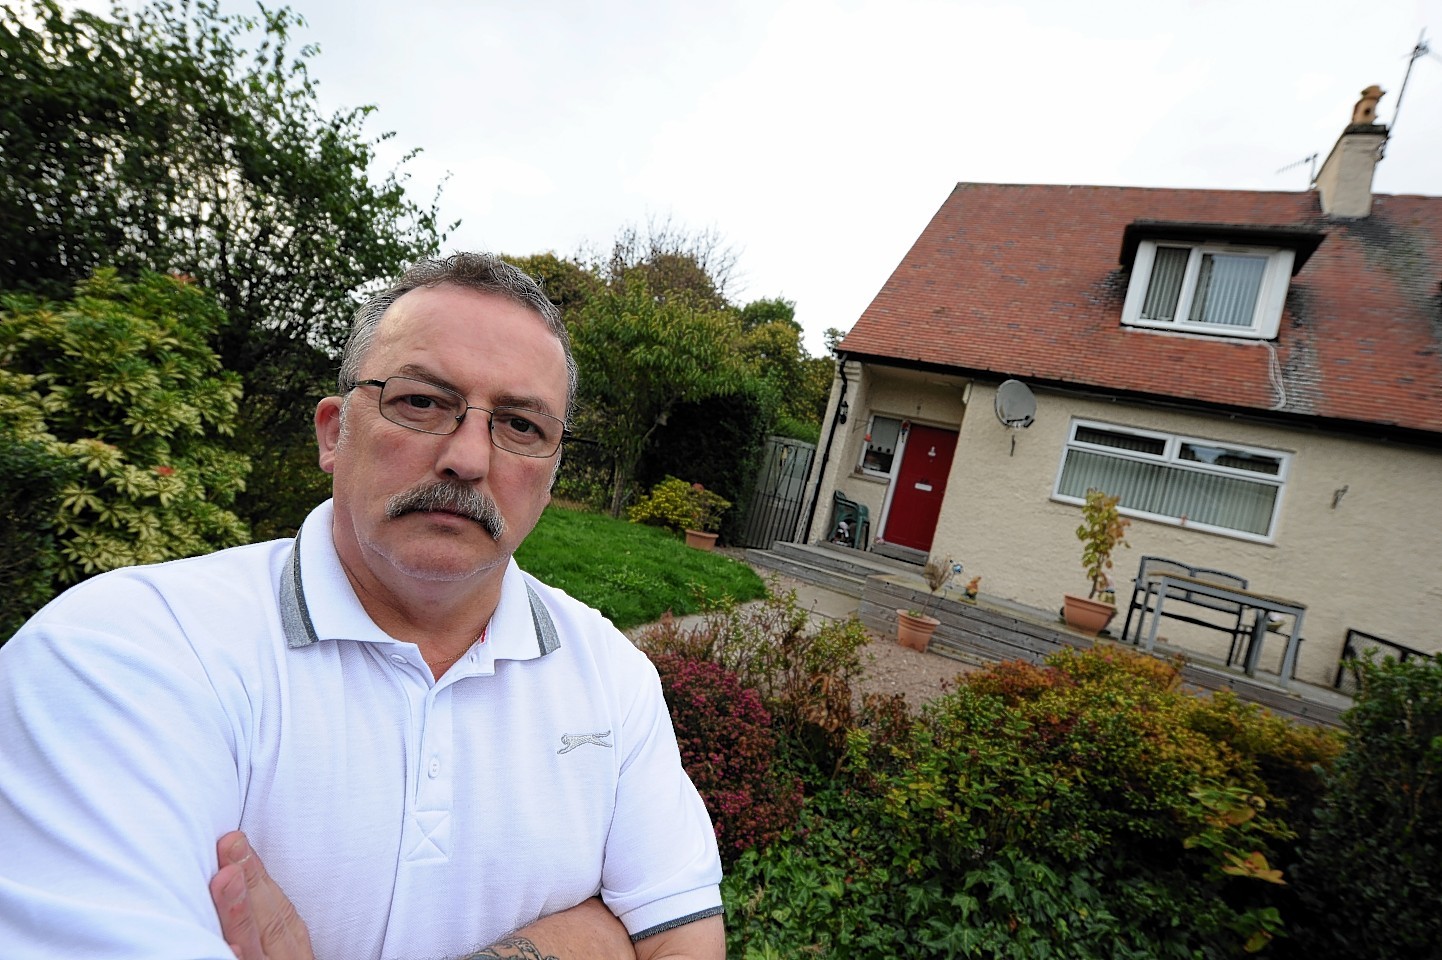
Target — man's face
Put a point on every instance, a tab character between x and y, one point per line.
492	351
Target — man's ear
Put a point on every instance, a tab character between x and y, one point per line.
327	430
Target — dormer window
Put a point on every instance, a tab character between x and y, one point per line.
1209	288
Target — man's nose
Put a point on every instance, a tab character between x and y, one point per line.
466	454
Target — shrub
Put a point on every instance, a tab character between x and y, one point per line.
803	673
1371	872
1083	778
1274	756
678	505
729	751
121	383
31	479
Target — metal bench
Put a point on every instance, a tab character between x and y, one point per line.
1144	596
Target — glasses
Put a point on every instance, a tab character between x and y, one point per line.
427	408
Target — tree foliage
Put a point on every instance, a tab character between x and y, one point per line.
642	355
120	389
176	138
667	360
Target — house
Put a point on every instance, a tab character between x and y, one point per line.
1257	374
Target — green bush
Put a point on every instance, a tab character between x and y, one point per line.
1370	875
121	383
678	505
1066	810
31	479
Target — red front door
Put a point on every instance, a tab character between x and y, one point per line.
920	487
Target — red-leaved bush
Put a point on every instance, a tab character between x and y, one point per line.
730	752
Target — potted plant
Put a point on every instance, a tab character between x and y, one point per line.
706	510
915	627
687	508
1102	531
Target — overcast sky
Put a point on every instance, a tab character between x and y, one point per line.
817	137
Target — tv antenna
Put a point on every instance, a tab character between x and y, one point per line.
1418	52
1312	175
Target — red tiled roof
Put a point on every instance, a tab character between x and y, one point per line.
1025	281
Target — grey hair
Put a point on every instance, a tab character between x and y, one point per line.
484	272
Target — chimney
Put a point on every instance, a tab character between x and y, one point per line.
1345	181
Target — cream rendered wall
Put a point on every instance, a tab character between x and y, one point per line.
1373	563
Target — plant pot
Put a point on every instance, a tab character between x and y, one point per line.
1086	616
915	631
700	540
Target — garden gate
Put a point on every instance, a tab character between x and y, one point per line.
775	507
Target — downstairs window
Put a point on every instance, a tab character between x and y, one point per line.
1174	479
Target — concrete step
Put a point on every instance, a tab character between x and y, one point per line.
859	563
808	571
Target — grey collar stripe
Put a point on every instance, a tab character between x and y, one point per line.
546	634
294	614
300	631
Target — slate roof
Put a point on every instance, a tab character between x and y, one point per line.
1027	281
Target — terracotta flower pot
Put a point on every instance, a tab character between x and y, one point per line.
1086	616
915	631
700	539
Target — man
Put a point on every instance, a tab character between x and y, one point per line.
429	748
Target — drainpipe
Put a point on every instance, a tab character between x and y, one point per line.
826	451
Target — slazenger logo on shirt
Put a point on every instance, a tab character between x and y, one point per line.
570	741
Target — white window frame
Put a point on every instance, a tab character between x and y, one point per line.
1266	314
861	466
1171	460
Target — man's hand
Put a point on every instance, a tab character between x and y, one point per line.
260	923
256	917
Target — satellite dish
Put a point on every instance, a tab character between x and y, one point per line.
1015	405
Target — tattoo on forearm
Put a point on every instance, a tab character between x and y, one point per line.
512	948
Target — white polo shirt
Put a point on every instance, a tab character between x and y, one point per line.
150	710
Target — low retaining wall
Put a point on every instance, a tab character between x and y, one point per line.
984	633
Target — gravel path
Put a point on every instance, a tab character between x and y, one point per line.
892	668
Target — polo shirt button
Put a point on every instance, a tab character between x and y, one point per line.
397	658
435	768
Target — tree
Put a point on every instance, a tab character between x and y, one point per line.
175	138
121	394
640	356
802	382
568	283
654	307
672	263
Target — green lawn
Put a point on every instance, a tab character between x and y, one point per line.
631	573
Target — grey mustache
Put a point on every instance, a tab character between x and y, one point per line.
457	498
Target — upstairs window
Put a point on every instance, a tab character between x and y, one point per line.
1208	288
1223	488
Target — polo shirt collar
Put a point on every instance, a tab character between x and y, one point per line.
318	603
